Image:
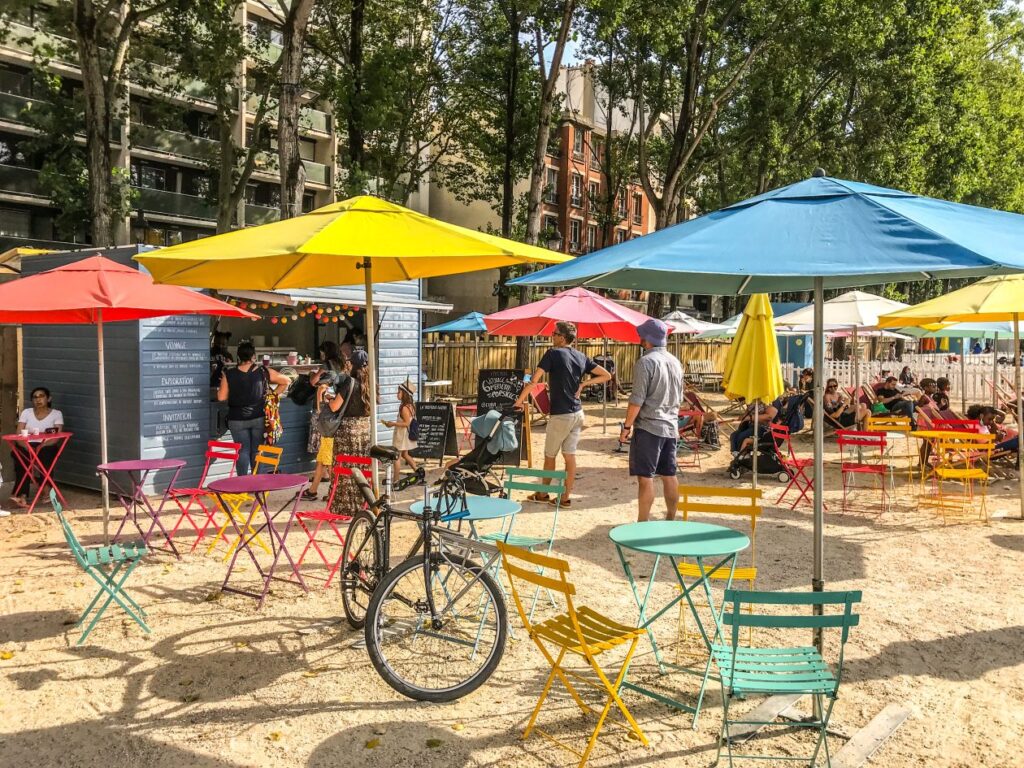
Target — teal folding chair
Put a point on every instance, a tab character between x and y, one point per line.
103	564
782	670
524	479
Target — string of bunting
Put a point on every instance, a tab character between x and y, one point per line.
276	313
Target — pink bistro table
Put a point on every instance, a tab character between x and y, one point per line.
135	500
259	486
30	461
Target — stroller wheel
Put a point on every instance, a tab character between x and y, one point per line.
734	474
783	477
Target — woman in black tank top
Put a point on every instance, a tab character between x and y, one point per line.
244	389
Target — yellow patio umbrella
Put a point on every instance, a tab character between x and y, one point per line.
753	370
993	299
358	240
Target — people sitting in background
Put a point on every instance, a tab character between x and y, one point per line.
806	384
742	438
991	420
976	349
37	420
906	377
891	400
941	398
839	406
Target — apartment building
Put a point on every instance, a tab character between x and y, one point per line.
163	157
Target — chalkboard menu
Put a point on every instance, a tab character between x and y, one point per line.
437	437
497	390
175	357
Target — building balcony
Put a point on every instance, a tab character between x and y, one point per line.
172	142
23	38
15	179
13	106
175	204
310	120
317	173
260	214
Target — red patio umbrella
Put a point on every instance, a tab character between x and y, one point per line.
594	316
97	290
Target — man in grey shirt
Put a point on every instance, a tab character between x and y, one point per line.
652	419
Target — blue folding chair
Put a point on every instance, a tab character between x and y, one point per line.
96	561
782	670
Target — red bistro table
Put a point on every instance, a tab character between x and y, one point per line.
259	486
30	460
136	501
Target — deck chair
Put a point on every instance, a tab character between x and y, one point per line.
198	500
523	479
964	458
691	429
315	521
709	413
266	461
103	564
541	398
786	670
579	632
732	502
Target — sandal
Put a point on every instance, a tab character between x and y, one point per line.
308	495
562	503
539	496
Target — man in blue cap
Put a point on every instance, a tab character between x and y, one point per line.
652	419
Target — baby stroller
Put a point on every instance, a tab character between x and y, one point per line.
768	463
593	392
494	434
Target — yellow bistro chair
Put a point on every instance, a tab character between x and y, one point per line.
704	500
268	458
964	458
579	631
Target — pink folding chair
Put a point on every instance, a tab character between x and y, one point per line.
193	501
325	517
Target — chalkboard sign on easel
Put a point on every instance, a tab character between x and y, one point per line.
437	437
497	390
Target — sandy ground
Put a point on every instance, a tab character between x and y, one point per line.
219	684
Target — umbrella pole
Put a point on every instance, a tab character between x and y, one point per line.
1020	405
756	446
963	374
604	397
818	579
371	369
103	426
476	348
995	367
855	359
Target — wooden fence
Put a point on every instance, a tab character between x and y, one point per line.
458	358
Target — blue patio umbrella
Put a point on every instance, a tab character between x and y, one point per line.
473	322
815	234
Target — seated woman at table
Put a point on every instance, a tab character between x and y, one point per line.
38	419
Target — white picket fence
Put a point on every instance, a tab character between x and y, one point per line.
974	388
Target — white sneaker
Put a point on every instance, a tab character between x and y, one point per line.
4	513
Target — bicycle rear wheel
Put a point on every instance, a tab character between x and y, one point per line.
362	563
443	661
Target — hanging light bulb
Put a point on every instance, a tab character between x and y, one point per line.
302	313
273	321
284	321
264	306
334	319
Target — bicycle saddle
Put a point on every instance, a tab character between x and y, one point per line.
383	453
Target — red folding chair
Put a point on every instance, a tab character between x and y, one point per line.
542	400
691	425
798	479
465	415
325	517
861	443
957	425
191	500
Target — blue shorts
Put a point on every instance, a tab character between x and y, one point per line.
651	455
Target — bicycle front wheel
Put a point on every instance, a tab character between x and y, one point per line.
440	658
362	561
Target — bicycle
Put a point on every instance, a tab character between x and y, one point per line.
435	625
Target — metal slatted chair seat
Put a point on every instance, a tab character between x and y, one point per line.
772	670
115	553
744	573
598	631
514	540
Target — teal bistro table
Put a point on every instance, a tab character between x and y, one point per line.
676	540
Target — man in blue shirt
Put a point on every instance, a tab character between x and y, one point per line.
564	368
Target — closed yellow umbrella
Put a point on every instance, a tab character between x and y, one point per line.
753	370
358	240
993	299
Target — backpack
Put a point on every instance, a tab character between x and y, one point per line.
414	428
328	421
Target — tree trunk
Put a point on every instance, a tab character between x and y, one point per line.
356	140
225	175
511	108
97	122
293	173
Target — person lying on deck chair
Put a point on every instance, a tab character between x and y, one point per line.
892	400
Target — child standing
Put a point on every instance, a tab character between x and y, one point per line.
401	439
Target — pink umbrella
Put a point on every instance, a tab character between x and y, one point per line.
595	317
